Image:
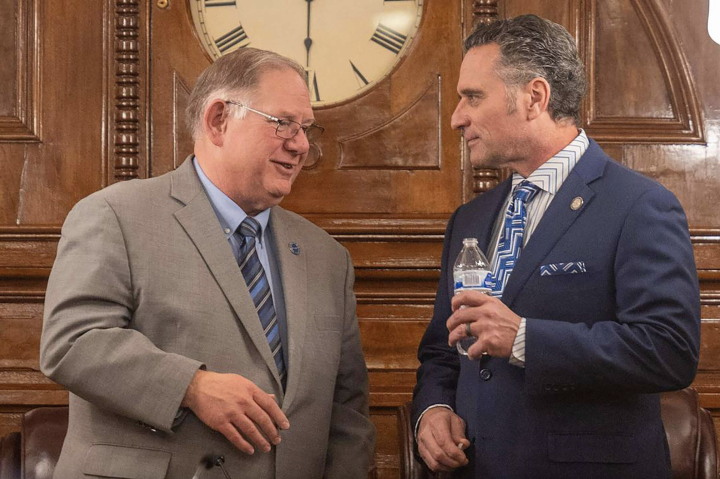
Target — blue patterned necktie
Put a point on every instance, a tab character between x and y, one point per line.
259	287
511	237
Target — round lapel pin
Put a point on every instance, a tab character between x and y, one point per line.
294	248
576	204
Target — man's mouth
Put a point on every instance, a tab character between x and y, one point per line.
285	165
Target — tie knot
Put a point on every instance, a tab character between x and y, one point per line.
249	227
526	191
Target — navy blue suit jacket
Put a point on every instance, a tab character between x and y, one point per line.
600	345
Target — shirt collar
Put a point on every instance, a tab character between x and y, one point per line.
227	211
551	174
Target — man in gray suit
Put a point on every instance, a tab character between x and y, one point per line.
190	317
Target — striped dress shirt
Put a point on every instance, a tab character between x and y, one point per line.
549	177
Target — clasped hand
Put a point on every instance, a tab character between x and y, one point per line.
491	322
232	404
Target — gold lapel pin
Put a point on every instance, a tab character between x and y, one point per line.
576	203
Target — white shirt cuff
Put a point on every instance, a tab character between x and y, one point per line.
517	357
417	424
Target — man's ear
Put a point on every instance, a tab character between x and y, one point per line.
538	90
215	121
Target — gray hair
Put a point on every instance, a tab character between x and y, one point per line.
532	47
238	74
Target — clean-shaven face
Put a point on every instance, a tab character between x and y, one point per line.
262	166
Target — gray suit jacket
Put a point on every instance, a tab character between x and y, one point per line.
145	290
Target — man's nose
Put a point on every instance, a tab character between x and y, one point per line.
458	120
299	143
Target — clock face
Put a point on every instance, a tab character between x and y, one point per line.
346	46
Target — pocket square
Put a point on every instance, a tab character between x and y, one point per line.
571	267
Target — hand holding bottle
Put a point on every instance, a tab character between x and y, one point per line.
469	273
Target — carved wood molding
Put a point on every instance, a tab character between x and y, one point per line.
421	114
687	125
181	144
124	115
363	226
484	11
24	125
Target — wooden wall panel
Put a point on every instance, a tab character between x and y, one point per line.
80	108
19	97
10	52
618	25
627	114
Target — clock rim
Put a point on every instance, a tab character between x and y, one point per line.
403	54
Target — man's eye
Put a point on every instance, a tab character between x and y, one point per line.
283	123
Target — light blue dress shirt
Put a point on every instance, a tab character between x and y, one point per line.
230	215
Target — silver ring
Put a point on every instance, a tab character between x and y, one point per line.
468	331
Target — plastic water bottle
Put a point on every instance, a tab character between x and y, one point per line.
470	270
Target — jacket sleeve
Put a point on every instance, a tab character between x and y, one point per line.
439	368
352	435
653	343
88	343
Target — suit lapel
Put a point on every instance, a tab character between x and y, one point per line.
199	221
293	274
556	220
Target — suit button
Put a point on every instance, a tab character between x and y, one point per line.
485	374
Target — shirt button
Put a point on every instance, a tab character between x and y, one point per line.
227	231
485	374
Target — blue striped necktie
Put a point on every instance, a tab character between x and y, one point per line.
511	237
259	287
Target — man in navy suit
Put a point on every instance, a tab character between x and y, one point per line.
596	305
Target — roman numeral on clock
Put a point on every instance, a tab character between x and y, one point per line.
360	76
312	83
220	3
234	37
389	38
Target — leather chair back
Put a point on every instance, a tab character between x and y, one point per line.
33	453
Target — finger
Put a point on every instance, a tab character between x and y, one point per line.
267	403
250	431
450	455
464	315
456	335
431	455
260	417
232	435
478	348
457	431
470	298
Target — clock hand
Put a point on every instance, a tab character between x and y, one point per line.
308	40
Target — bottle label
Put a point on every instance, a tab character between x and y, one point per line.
473	279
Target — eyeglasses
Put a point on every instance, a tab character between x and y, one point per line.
287	128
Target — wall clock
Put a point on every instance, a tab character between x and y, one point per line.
346	46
